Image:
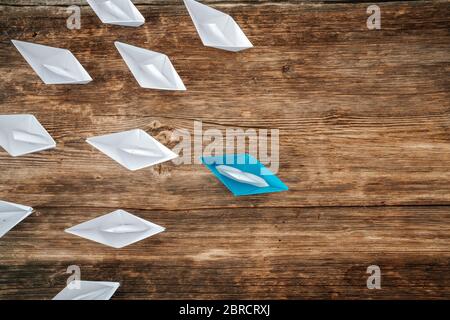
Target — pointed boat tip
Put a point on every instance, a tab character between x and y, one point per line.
91	142
16	43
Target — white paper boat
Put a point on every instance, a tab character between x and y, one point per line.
12	214
53	65
22	134
119	12
134	149
116	229
88	290
241	176
217	29
150	69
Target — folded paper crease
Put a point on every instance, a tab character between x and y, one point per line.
12	214
118	12
22	134
88	290
217	29
243	174
150	69
53	65
133	149
116	229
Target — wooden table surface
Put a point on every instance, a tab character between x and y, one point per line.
364	122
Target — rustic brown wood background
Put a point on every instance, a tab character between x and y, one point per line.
364	120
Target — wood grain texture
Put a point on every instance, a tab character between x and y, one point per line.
240	253
167	2
364	126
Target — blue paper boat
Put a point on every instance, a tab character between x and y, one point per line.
243	175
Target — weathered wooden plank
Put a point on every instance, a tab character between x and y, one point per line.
229	253
319	172
164	2
363	115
